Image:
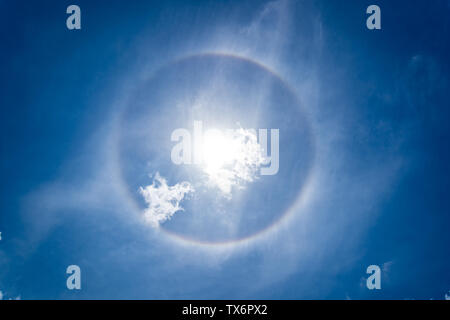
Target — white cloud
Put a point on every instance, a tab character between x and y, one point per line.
242	165
163	200
1	295
447	296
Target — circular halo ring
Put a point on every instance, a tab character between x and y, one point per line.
298	203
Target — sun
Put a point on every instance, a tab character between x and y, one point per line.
219	150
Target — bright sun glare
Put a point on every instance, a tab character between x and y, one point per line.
218	150
230	157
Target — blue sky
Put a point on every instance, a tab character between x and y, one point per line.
86	117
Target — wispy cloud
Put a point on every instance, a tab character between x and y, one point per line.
2	295
386	267
447	296
163	200
269	29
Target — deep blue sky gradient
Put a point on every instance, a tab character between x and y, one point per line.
385	91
